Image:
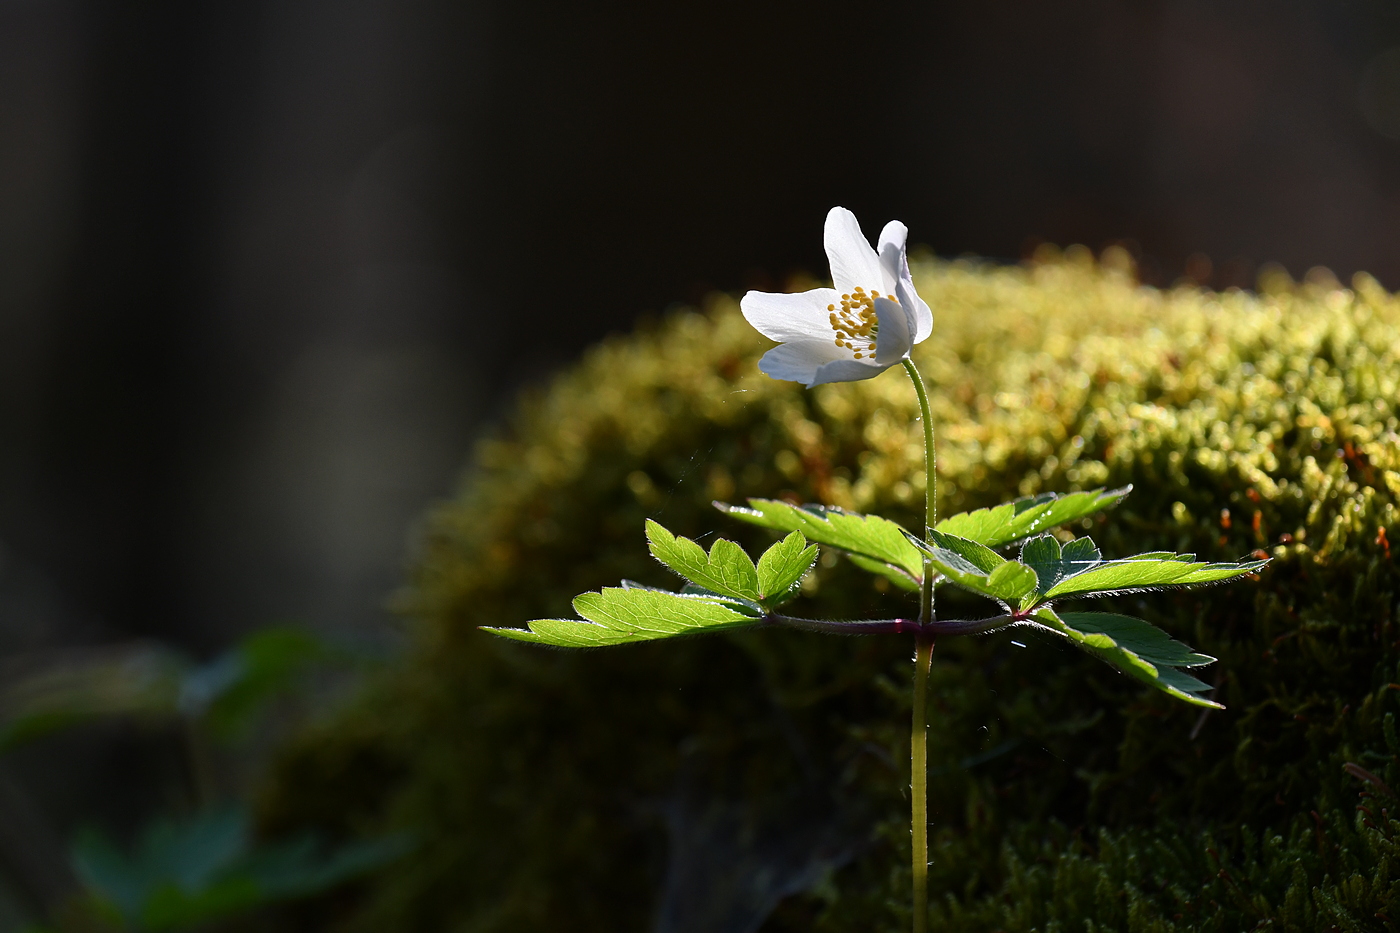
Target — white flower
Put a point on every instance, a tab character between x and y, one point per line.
860	328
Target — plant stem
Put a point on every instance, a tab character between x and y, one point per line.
930	490
918	785
923	660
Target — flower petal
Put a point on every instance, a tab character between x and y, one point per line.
894	264
786	318
921	318
853	261
892	343
800	361
846	371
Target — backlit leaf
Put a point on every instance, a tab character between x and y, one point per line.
1148	572
896	576
1052	563
978	555
618	615
870	536
782	567
1012	521
1011	581
1007	581
726	569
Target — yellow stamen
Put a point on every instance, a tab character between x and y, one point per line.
856	324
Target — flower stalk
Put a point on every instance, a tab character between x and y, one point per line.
918	783
923	661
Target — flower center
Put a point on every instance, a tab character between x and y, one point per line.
855	322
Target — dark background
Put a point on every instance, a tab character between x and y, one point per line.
266	268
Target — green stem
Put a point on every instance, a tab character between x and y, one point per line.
930	490
918	785
923	659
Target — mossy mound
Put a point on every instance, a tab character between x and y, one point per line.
551	789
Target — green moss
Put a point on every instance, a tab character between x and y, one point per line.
1064	797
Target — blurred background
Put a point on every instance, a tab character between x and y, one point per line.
267	269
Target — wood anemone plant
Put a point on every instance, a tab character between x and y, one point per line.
726	589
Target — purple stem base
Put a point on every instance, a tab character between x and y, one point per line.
896	626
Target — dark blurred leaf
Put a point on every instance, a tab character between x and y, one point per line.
234	689
299	867
181	875
171	907
60	690
227	694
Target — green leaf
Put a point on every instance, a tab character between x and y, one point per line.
1081	551
1011	581
618	615
1145	640
567	633
726	569
1134	647
1148	572
1052	563
1161	555
876	539
1012	521
1008	581
782	567
978	555
896	576
1183	686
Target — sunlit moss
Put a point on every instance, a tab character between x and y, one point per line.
536	780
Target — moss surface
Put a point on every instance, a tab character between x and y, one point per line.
551	789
